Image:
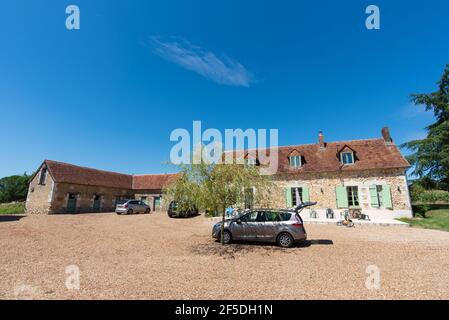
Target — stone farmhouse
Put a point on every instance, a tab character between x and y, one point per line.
366	174
362	174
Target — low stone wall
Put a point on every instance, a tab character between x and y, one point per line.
374	214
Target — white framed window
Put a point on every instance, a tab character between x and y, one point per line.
295	161
353	196
297	195
251	161
347	157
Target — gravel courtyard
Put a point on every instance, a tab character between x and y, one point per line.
154	257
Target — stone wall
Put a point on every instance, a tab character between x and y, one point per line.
39	195
85	197
52	198
150	195
322	189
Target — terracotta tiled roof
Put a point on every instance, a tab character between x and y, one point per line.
369	154
153	181
69	173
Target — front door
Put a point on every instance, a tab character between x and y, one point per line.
249	198
71	203
157	203
97	203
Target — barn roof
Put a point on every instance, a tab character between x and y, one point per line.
153	181
68	173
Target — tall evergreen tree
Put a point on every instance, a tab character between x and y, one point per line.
430	156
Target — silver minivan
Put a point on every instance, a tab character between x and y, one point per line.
283	226
131	206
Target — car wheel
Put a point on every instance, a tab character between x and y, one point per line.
118	212
227	237
285	240
130	211
147	211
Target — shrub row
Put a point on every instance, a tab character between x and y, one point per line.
430	196
12	208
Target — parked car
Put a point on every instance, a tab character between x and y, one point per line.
283	226
131	206
174	212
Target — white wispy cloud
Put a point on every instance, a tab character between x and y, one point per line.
411	110
223	70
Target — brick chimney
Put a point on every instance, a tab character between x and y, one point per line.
386	135
321	142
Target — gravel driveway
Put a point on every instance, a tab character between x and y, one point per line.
154	257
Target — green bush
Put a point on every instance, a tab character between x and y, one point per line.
14	188
421	209
430	196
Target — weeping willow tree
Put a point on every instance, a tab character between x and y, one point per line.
215	187
187	190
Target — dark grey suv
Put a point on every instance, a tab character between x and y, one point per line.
283	226
173	211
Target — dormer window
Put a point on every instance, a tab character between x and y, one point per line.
43	177
295	161
347	157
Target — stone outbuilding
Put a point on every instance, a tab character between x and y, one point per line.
58	187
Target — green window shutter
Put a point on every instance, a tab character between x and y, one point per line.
305	194
374	197
387	196
342	197
288	197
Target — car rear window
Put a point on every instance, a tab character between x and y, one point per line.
272	216
285	216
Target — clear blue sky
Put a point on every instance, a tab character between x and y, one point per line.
108	95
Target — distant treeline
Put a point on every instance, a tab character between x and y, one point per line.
14	188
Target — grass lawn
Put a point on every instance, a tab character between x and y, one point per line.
435	218
12	208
